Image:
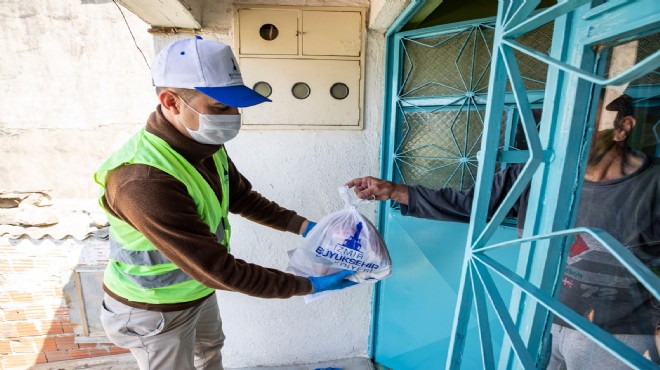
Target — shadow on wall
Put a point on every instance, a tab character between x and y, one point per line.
52	256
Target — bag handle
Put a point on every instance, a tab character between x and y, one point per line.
351	201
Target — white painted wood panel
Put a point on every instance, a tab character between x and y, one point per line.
251	21
320	108
332	33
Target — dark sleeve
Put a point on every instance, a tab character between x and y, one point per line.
160	207
255	207
449	204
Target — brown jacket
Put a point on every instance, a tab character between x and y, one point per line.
159	206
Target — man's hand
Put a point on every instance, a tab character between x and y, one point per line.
373	188
331	282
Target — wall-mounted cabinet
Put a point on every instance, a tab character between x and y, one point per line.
311	106
331	33
267	31
308	61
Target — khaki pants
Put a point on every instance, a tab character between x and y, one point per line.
179	340
572	350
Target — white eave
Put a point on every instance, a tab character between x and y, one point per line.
167	13
187	14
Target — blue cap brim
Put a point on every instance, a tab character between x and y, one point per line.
234	96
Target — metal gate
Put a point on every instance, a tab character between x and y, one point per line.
511	300
440	90
554	165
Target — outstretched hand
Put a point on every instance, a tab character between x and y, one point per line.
331	282
373	188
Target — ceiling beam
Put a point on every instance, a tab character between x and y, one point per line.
167	13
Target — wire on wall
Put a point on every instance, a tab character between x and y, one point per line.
131	32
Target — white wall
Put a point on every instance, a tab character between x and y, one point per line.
72	85
75	87
302	170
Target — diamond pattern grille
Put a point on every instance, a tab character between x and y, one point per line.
459	62
430	67
484	48
533	71
439	148
478	288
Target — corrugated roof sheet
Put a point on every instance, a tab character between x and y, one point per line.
59	219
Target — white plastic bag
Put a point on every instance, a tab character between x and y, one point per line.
343	240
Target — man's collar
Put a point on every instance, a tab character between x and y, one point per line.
193	151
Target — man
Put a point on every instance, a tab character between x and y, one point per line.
620	196
167	193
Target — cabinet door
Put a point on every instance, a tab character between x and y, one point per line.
268	31
332	33
319	108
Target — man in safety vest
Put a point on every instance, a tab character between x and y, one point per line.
167	193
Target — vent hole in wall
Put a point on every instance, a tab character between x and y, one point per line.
263	88
300	90
268	32
339	91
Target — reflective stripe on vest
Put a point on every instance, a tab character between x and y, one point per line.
137	271
150	258
136	258
159	281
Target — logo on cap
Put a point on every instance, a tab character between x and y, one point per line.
236	75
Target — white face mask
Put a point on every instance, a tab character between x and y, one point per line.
214	129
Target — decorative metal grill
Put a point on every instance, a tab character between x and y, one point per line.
525	319
449	64
442	102
448	79
532	71
439	147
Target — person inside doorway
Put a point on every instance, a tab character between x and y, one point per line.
620	196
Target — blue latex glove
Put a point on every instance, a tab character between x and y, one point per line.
332	282
310	226
328	368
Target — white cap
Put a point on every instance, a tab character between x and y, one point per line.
205	65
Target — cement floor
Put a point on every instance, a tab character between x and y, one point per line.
126	362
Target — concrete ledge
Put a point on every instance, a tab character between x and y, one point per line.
115	362
355	363
127	362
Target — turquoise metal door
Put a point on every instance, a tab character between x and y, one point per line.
416	305
584	33
437	118
457	297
